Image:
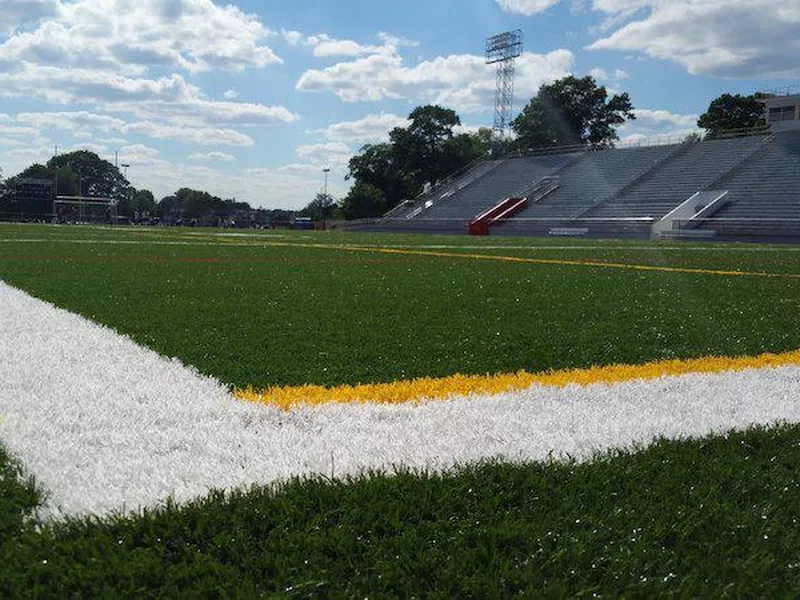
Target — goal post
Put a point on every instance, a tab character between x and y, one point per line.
85	209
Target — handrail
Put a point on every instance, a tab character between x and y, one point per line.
554	182
403	204
449	179
645	142
452	180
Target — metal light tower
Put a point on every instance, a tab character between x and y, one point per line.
503	50
326	170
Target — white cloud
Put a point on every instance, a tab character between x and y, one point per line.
212	156
369	129
644	115
326	46
291	36
526	7
317	149
137	154
131	37
171	100
203	136
71	120
230	94
723	38
461	81
620	75
15	13
17	131
598	74
658	123
728	38
327	155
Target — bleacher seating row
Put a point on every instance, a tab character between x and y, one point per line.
624	192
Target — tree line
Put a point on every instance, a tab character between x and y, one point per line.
85	174
567	112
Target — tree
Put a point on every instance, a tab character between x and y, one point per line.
320	208
363	201
426	151
139	201
144	202
378	165
169	208
732	112
95	176
572	111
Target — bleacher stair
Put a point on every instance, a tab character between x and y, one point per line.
503	210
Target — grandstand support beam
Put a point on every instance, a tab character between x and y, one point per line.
503	50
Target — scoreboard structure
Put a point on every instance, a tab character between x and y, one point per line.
34	189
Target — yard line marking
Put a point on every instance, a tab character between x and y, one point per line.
440	254
537	261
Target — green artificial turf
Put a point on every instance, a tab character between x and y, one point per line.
250	313
19	497
709	518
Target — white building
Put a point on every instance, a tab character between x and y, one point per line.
782	113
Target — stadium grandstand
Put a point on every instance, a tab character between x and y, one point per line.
739	186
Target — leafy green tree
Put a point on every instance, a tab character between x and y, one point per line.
5	196
320	208
35	171
169	208
732	112
378	165
141	201
144	202
364	200
95	176
572	111
426	151
429	149
67	181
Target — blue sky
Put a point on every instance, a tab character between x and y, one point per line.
253	98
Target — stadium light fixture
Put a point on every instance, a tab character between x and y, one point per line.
503	50
326	170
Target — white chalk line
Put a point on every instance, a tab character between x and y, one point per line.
107	425
263	241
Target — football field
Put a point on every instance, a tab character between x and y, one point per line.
329	414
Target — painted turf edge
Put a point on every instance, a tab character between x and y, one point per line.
106	425
442	388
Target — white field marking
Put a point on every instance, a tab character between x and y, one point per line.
258	240
106	425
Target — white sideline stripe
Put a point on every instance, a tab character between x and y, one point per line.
264	239
106	425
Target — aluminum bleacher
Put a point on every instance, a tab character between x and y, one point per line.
763	195
588	181
625	192
506	180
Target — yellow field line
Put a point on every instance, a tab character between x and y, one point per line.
536	261
415	390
